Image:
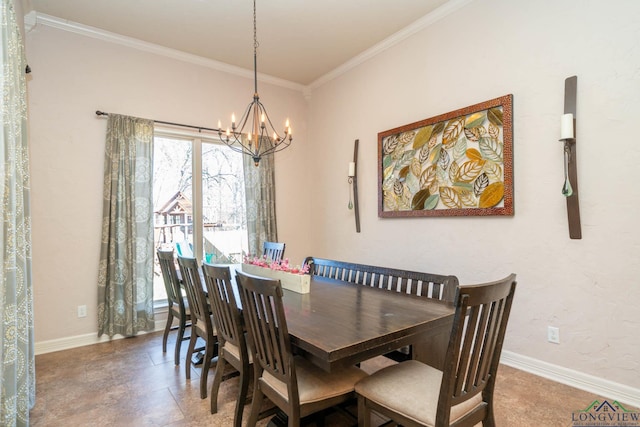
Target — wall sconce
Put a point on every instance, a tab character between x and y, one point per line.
352	179
568	137
352	173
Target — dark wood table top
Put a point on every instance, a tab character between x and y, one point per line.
340	323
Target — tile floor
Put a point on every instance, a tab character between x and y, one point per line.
130	382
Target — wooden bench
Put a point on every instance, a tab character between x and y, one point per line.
410	282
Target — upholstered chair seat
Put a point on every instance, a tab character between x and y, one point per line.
412	388
314	384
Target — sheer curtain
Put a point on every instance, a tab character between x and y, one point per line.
125	280
260	194
17	379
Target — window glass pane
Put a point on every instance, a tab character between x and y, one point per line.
172	196
223	210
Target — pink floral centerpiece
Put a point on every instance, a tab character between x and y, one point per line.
293	278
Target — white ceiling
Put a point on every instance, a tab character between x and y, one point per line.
300	41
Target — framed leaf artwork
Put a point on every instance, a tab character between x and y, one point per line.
455	164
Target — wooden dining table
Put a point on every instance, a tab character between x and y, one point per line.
340	323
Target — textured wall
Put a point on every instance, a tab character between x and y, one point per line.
588	288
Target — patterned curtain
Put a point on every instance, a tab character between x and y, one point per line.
17	360
260	194
125	280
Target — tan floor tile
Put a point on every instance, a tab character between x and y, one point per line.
131	382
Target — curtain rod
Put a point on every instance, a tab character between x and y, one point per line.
200	128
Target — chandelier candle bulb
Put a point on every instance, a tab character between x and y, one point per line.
566	127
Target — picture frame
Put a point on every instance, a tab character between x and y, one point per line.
455	164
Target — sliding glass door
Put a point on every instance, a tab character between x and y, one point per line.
224	220
199	203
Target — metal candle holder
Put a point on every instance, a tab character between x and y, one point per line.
353	182
567	136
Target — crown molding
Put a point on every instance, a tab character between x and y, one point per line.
30	20
96	33
418	25
85	30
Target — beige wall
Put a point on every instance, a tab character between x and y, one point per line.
588	288
73	76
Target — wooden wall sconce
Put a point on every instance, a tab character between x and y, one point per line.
568	137
353	182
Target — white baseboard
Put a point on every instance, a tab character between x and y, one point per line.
599	386
579	380
81	340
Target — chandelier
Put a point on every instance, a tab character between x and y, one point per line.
261	137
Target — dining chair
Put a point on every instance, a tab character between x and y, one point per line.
232	345
201	323
273	250
295	385
415	394
176	307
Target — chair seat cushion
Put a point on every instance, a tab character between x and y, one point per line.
412	389
234	351
314	384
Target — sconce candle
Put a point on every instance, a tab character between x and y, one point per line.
566	127
352	168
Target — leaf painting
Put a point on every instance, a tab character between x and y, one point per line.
460	162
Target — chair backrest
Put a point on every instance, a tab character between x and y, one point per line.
194	290
170	277
411	282
273	250
473	354
224	306
266	324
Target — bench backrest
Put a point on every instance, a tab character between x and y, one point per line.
411	282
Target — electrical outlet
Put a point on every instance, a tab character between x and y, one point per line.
553	334
82	311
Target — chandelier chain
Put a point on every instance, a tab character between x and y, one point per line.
255	30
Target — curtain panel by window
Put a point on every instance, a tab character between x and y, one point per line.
260	195
125	280
17	361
